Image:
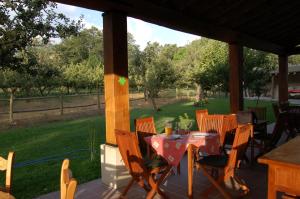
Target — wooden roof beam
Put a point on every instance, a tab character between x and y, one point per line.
152	13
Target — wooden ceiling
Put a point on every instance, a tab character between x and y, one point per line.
269	25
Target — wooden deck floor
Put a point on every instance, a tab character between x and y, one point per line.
175	186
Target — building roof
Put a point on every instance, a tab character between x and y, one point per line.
291	69
269	25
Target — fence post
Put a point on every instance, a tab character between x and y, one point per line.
11	107
61	104
177	93
98	98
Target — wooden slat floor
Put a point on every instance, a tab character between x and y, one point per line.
175	186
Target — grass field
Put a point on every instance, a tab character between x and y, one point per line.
41	149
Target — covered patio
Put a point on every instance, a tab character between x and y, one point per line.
271	26
175	186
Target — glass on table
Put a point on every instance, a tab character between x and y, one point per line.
168	128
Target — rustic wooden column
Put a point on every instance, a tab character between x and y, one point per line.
236	77
115	74
283	78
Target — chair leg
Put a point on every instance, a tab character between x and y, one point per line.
127	188
216	183
156	183
178	169
142	184
243	185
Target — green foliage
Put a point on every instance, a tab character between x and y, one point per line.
86	46
294	60
257	69
77	61
22	21
185	122
82	76
156	71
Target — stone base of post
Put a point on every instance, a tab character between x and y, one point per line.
113	171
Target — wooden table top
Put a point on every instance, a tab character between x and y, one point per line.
286	154
4	195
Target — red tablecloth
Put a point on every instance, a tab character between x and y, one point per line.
173	149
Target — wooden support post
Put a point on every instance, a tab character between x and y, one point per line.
115	74
283	78
236	77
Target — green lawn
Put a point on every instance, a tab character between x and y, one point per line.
40	149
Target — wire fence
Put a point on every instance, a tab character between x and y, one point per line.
27	107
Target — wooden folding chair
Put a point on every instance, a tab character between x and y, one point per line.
244	117
214	124
145	127
6	165
259	121
230	125
226	165
199	115
153	172
67	183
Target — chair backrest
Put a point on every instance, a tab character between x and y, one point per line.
240	145
260	112
67	183
244	117
130	152
214	124
6	165
230	122
145	125
199	115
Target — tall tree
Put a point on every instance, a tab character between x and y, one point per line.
87	45
158	72
257	70
24	20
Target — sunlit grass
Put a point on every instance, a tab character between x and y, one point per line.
53	142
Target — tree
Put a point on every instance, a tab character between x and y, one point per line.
203	63
257	70
135	68
80	76
158	72
294	60
22	21
87	45
46	75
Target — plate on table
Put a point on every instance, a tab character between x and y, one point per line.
173	137
201	134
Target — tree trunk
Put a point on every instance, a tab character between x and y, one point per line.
145	94
153	103
198	92
41	90
11	106
257	100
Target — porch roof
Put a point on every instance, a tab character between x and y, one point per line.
266	25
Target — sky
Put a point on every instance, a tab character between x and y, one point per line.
142	31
